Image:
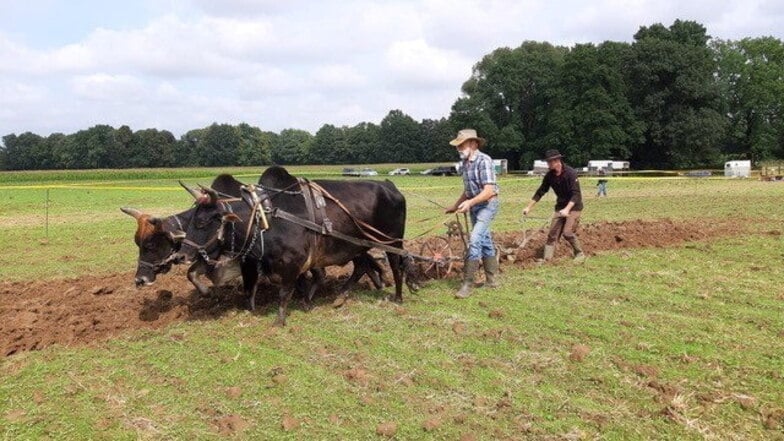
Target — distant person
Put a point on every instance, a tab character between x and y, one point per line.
480	199
601	185
568	206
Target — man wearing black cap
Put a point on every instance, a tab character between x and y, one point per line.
568	206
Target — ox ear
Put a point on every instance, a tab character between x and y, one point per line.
195	193
131	212
177	236
231	217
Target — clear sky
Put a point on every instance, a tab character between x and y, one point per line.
184	64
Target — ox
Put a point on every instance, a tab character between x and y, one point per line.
159	238
283	247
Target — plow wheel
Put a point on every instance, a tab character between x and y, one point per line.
440	258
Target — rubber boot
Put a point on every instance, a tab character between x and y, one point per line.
468	279
549	251
579	256
491	270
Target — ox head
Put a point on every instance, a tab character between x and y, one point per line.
205	232
157	240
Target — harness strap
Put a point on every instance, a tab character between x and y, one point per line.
361	225
285	215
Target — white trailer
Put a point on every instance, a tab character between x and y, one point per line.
737	169
539	168
607	164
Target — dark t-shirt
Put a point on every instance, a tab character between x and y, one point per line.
566	187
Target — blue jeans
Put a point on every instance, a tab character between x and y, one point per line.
481	242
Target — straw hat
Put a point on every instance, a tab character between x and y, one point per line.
466	134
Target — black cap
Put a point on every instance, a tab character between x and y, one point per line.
552	154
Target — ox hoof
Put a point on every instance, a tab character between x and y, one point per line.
340	301
394	299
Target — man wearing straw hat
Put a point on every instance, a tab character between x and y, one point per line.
568	206
480	199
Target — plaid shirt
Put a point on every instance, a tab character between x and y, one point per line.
478	172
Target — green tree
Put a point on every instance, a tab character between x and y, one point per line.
291	146
399	139
750	75
592	117
675	97
363	143
511	92
152	148
255	145
24	152
435	135
218	145
329	146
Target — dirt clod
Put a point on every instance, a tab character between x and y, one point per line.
579	352
230	425
388	429
289	423
431	424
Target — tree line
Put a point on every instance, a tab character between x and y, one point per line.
672	98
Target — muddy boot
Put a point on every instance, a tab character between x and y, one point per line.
468	279
549	251
491	270
579	256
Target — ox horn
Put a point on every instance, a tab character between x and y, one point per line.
213	194
131	212
195	193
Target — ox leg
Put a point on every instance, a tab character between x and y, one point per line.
193	276
284	296
396	265
374	271
318	275
250	279
409	269
355	276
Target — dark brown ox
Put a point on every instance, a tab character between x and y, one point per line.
286	250
159	238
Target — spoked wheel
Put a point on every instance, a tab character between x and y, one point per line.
440	258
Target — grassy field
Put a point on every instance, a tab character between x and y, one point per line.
674	343
85	232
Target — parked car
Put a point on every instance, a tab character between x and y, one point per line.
426	171
447	170
698	173
400	171
368	172
350	172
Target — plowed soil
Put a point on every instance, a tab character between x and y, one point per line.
79	311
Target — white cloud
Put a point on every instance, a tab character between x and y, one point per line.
338	77
105	87
301	64
417	64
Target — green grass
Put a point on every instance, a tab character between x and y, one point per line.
684	343
88	233
676	336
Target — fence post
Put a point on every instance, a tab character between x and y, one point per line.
46	204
